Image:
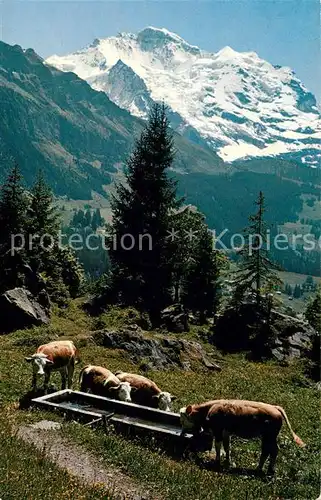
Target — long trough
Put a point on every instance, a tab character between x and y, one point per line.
92	408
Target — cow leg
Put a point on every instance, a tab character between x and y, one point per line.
265	452
34	381
46	381
274	449
70	369
218	444
63	378
226	446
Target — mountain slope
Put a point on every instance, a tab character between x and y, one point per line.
239	104
55	121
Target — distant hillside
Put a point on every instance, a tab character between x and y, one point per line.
56	121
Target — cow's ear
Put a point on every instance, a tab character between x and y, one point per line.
189	409
156	396
28	359
113	388
133	389
49	361
173	397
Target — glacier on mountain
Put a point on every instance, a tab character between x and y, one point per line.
234	102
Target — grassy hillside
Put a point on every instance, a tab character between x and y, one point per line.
297	469
25	473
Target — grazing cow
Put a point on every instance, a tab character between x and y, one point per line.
247	419
60	355
146	392
103	382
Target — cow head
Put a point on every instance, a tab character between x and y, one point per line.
39	362
123	391
164	400
186	418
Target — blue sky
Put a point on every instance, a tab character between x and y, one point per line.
283	32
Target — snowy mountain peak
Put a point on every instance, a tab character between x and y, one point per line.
235	102
151	38
162	33
227	53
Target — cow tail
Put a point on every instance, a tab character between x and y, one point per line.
77	357
81	374
296	438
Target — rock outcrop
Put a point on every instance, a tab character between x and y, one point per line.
288	337
175	319
20	309
156	353
293	337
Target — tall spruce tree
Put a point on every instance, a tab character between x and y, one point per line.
43	224
256	270
201	285
141	219
97	220
59	267
13	207
88	218
185	221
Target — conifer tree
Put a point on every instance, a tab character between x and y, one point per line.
313	311
202	289
313	315
43	224
256	270
78	219
185	221
88	218
297	291
97	220
141	219
13	207
59	267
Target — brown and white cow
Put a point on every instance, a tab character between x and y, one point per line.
246	419
59	355
103	382
146	392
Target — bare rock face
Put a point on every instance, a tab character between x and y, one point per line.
156	353
175	319
20	309
290	337
293	337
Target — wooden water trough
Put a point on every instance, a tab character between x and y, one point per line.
92	409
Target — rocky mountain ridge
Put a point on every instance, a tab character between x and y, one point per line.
236	103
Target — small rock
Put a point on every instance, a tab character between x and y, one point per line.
278	353
299	339
46	425
175	319
294	353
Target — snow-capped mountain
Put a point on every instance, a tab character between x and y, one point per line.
240	105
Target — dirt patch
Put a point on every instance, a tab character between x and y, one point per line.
80	463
